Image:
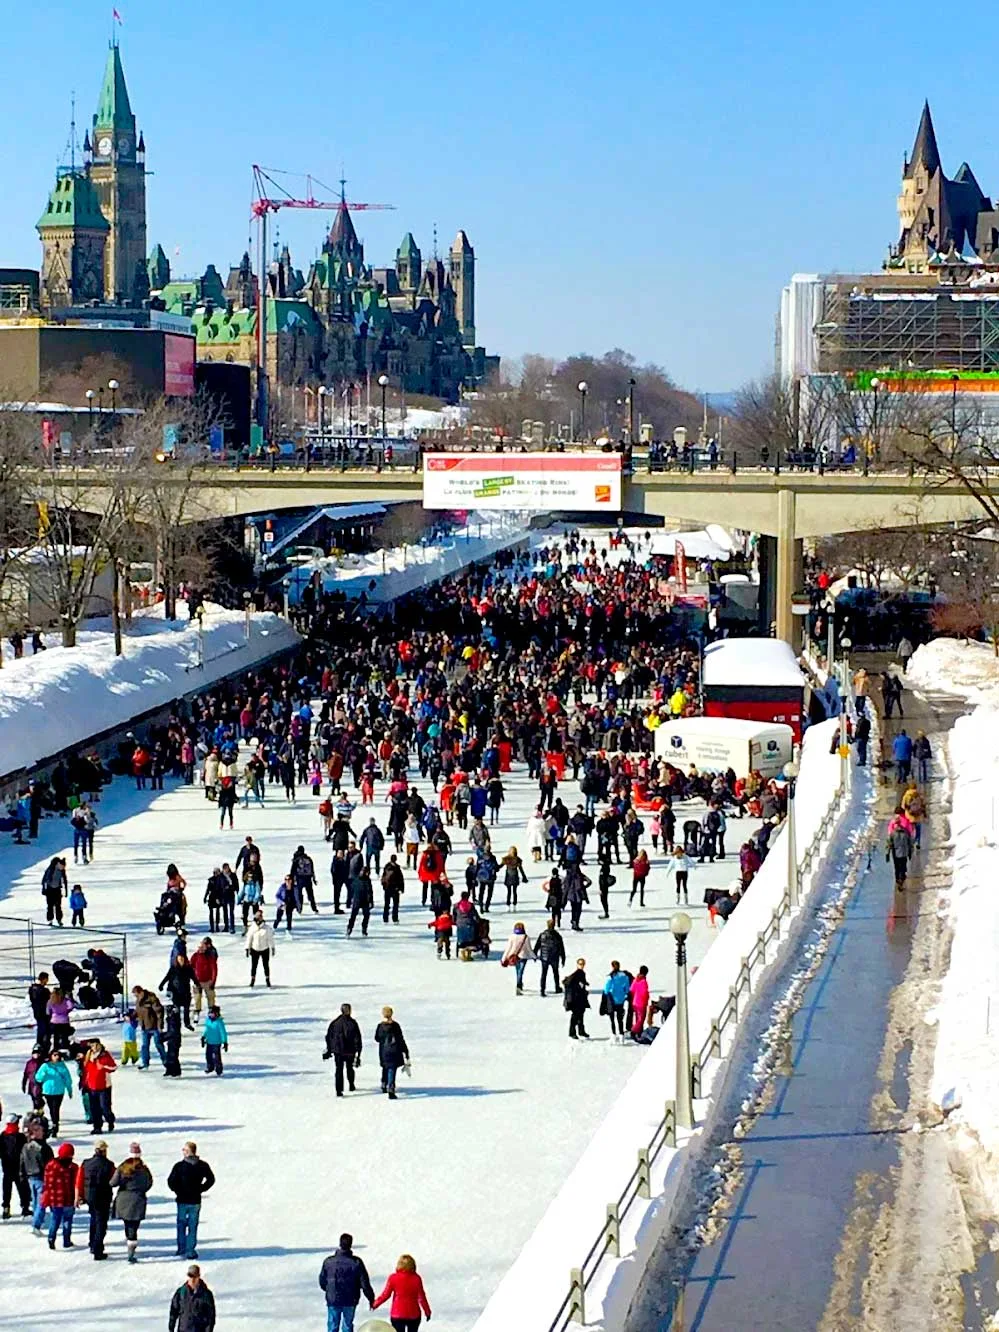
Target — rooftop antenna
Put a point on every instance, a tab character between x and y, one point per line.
72	135
436	255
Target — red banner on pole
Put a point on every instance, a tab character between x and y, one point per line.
680	566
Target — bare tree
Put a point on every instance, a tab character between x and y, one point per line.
967	575
19	513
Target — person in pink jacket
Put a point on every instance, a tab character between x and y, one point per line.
639	1001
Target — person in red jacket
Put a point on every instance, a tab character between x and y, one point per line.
59	1194
405	1286
98	1065
205	970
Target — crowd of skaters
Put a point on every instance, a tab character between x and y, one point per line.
566	664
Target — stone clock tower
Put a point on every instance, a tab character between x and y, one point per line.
118	173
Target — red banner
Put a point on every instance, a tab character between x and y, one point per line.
680	566
178	365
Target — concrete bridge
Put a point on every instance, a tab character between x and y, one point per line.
783	507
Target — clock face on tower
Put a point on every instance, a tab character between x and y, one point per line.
104	146
124	144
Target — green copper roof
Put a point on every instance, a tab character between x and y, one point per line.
221	327
114	111
409	247
73	203
282	315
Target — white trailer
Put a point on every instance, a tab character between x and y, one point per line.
714	744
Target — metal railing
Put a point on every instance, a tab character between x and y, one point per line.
27	947
608	1241
638	1185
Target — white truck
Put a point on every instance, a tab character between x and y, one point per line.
714	744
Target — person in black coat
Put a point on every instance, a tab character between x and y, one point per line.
393	1051
550	952
344	1278
94	1188
11	1142
39	995
362	897
192	1308
177	983
343	1045
576	1000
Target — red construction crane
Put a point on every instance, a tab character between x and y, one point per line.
265	203
262	204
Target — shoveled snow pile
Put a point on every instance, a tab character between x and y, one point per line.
966	1074
953	666
61	696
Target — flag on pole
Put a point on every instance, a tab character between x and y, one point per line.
116	16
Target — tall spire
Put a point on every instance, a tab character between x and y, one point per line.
114	111
924	150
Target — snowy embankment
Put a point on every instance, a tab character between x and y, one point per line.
966	1069
64	696
402	569
576	1214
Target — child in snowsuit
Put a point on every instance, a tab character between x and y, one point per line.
442	927
215	1039
77	904
129	1041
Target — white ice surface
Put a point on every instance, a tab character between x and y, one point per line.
458	1171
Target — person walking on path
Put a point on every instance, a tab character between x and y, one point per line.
189	1180
35	1156
93	1188
922	753
177	983
914	808
39	995
343	1279
343	1046
640	867
617	987
133	1180
149	1014
576	1000
393	1052
12	1142
405	1289
393	885
862	736
54	1080
59	1195
639	1002
98	1066
891	692
550	952
54	889
905	651
204	974
58	1010
192	1308
901	752
514	875
517	953
260	947
214	1039
899	846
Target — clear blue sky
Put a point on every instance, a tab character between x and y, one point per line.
643	176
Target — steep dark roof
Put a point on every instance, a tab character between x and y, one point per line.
924	149
343	237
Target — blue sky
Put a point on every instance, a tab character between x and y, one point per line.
629	175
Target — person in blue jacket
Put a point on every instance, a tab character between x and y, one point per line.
901	752
477	800
617	986
54	1080
215	1039
78	905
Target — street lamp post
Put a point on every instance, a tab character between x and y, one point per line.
680	927
846	644
383	385
631	412
583	387
322	391
113	386
350	411
954	381
793	886
247	603
89	395
829	607
875	385
286	588
100	408
201	637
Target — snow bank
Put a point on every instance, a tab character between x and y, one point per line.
63	696
573	1220
966	1070
952	666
